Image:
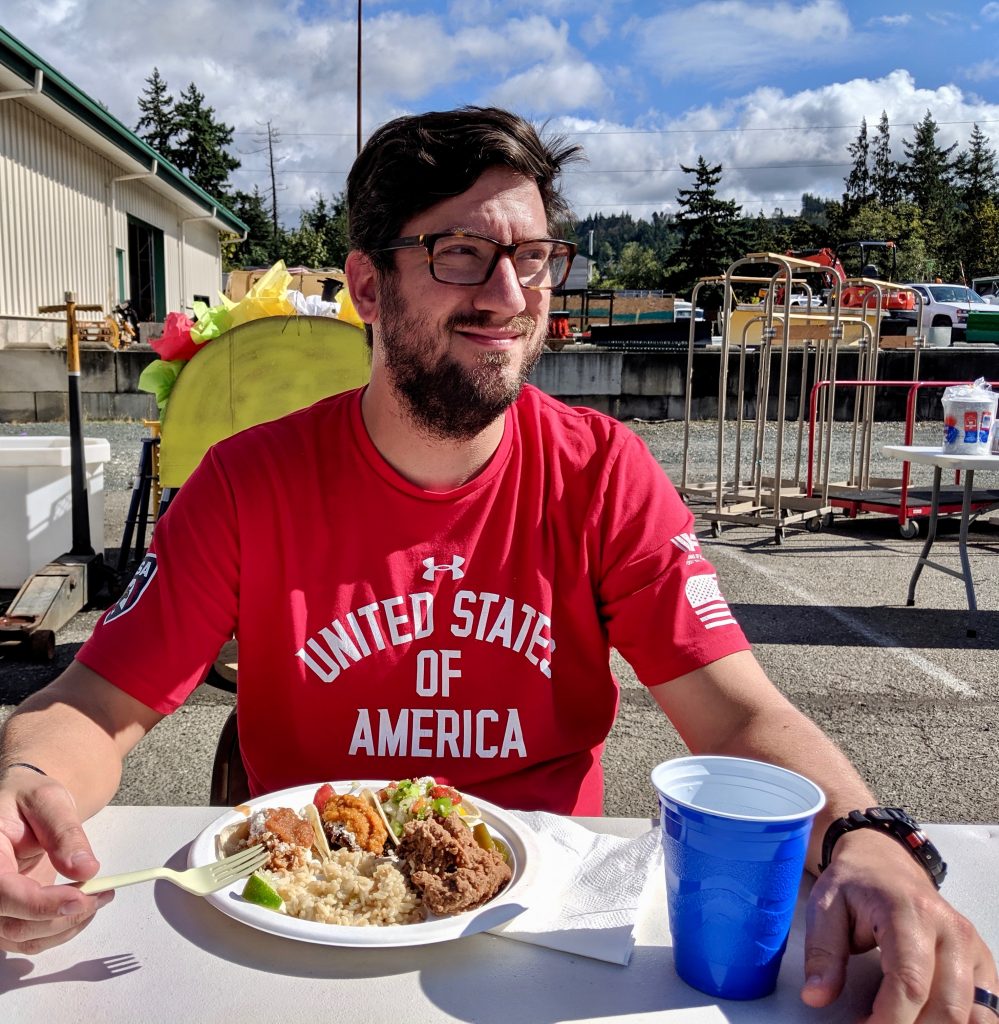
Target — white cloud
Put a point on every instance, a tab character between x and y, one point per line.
548	89
772	149
595	66
983	71
738	37
595	30
892	20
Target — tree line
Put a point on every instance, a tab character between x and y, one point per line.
940	205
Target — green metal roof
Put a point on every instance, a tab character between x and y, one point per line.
15	56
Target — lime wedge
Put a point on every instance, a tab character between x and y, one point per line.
261	892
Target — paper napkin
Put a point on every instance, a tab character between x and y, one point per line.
589	889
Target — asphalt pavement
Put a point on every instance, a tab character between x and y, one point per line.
910	698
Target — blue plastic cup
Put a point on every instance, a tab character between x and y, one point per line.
734	834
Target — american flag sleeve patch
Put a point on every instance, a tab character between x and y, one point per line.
707	602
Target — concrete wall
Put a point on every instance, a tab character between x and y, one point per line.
627	385
33	384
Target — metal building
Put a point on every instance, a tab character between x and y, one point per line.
86	206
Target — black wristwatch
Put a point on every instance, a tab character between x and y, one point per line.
893	821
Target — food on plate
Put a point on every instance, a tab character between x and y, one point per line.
258	890
352	823
284	834
351	888
332	862
419	799
451	871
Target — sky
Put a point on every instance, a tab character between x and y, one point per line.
773	90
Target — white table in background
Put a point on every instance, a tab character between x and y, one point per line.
968	464
159	954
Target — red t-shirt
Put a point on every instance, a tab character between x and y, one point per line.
386	631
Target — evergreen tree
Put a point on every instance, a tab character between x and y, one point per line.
814	209
977	195
928	179
709	227
200	150
259	248
157	125
975	170
858	181
929	170
884	170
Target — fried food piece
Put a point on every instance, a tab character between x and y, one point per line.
448	867
353	815
284	834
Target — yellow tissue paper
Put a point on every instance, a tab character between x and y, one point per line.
347	311
267	297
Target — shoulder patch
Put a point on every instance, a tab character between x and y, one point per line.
136	588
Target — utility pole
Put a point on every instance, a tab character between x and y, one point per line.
358	76
272	138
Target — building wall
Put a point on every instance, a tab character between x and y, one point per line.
53	215
58	233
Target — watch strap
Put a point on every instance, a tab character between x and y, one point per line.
894	822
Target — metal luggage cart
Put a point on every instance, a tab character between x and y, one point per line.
756	498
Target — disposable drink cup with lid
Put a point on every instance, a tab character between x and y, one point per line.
734	834
969	412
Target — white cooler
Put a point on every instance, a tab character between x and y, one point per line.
36	516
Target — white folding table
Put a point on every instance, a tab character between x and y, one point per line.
969	465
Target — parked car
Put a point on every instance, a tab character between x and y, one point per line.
681	310
945	305
804	299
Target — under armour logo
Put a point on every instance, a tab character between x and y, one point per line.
454	568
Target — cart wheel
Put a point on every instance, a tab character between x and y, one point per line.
909	530
716	529
779	535
814	525
41	645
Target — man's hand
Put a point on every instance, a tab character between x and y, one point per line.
874	894
40	834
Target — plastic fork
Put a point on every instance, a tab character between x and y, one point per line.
200	881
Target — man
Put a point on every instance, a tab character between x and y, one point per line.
427	576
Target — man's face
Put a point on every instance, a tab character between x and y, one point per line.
458	355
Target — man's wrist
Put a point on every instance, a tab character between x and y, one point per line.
894	824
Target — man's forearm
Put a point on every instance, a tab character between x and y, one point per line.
78	731
793	741
68	746
731	707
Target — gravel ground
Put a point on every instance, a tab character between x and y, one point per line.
908	696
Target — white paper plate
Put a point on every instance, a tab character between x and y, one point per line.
507	905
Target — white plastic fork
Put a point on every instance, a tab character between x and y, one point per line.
200	881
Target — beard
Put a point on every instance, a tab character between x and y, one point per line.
443	397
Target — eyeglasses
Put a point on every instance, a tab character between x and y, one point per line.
460	257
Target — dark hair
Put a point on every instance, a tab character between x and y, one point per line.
413	162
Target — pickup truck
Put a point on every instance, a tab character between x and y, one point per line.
945	305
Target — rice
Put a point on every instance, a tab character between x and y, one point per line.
351	888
